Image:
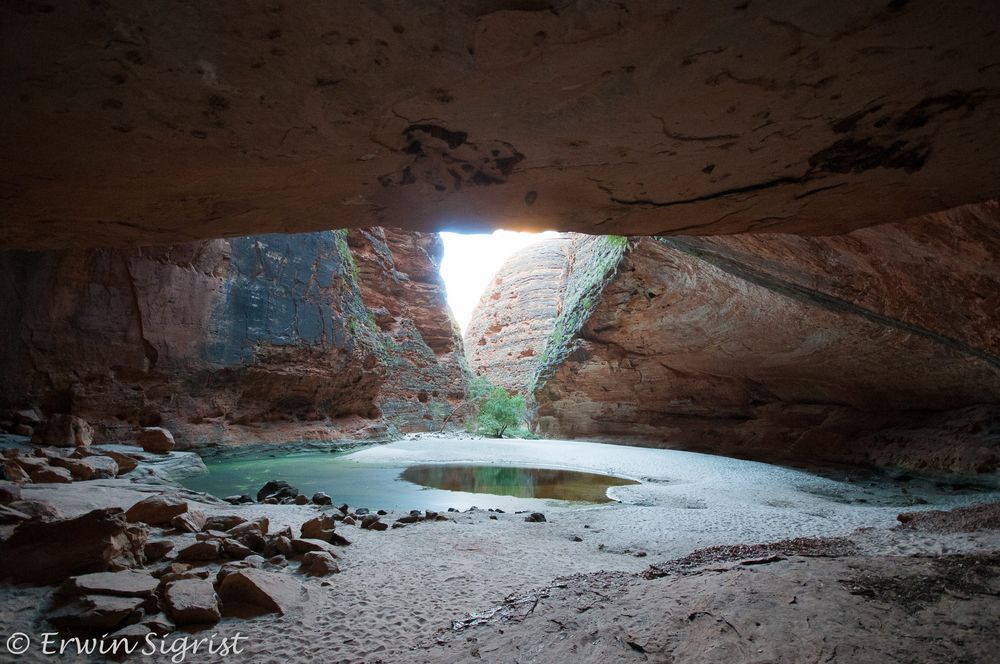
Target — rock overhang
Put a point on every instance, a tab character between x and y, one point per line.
126	124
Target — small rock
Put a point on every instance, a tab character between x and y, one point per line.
349	521
242	499
51	475
369	520
409	519
344	509
575	538
381	512
362	511
452	509
640	554
24	430
379	526
535	517
156	440
156	510
440	517
301	500
172	568
192	602
397	524
430	516
320	498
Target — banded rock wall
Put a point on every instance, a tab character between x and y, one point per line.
256	338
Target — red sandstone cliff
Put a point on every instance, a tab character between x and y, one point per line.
876	346
271	337
512	322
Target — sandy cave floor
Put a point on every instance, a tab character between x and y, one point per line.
400	590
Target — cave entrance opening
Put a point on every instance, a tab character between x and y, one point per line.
472	259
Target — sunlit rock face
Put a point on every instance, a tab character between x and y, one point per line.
513	320
266	337
135	122
880	345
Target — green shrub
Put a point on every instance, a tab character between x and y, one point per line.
500	412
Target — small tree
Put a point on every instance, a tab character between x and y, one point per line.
500	411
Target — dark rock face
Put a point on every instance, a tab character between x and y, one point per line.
878	346
626	117
512	322
265	337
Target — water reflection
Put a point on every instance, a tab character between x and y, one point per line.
516	481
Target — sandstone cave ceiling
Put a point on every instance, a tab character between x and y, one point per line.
130	122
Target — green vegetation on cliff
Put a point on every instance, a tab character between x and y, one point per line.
593	263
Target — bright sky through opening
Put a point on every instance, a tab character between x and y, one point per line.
471	260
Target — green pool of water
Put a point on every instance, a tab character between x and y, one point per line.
401	487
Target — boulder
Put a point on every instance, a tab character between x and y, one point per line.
319	563
31	464
223	523
159	624
24	430
65	431
251	592
97	612
379	526
126	464
36	509
156	440
242	499
192	521
29	416
235	550
14	472
9	492
44	552
320	528
277	490
51	475
89	468
304	545
320	498
192	602
9	515
300	500
127	583
256	527
156	510
201	551
157	550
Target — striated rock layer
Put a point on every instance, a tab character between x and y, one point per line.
881	345
272	337
512	322
137	122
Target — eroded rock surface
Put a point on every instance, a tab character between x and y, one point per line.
513	320
276	337
879	346
133	123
